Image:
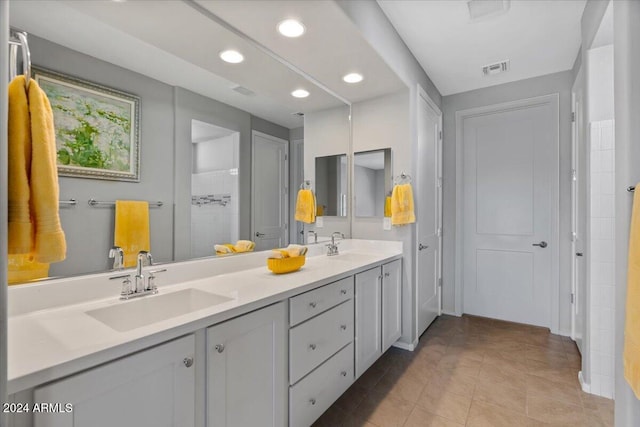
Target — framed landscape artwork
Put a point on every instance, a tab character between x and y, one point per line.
97	128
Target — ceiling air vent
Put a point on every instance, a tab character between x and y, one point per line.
483	9
299	114
243	90
497	68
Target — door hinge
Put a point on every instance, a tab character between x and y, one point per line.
573	298
286	156
286	226
573	116
440	182
440	135
440	283
439	232
574	236
574	175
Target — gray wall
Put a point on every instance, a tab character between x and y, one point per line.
626	15
269	128
89	231
364	182
553	83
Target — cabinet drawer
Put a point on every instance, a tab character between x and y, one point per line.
309	304
317	391
314	341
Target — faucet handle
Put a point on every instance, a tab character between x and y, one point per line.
151	279
117	254
126	285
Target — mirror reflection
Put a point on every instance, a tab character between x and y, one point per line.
372	181
331	185
208	128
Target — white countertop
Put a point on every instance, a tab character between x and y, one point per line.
54	342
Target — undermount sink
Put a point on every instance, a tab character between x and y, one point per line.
134	314
352	257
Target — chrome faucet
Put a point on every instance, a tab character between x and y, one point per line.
117	254
332	249
315	236
140	285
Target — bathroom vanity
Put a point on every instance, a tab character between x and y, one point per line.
265	350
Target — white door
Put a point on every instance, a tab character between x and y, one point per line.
578	216
368	318
510	206
153	388
247	370
297	176
270	204
391	303
428	212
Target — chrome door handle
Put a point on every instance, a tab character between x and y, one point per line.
421	247
579	254
542	244
259	234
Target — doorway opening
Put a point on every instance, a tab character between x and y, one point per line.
214	187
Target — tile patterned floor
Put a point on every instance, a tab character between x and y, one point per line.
475	372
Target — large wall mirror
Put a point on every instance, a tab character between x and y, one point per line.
331	185
200	121
372	178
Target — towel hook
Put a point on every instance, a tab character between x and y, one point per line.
403	178
306	184
26	55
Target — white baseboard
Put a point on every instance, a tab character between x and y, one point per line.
405	346
585	387
562	333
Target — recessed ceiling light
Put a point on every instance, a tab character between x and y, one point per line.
231	56
300	93
353	78
291	28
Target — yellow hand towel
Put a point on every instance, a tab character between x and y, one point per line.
132	229
244	246
319	210
306	206
387	206
50	244
402	211
631	356
224	249
278	254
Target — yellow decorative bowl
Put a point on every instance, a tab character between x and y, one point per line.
285	265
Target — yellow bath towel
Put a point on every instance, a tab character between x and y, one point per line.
132	229
244	246
631	354
50	244
35	236
387	206
306	206
24	268
402	211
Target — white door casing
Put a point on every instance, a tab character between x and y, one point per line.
296	167
508	201
269	191
428	212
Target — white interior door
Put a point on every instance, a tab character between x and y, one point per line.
428	213
296	166
578	215
270	204
510	159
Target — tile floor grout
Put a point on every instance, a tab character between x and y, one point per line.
473	371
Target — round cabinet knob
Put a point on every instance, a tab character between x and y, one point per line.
343	327
343	373
312	346
219	348
421	246
312	401
387	274
312	304
188	362
343	291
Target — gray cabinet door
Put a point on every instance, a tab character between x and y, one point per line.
153	388
247	381
391	303
368	318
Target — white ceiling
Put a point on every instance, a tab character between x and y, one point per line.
538	36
